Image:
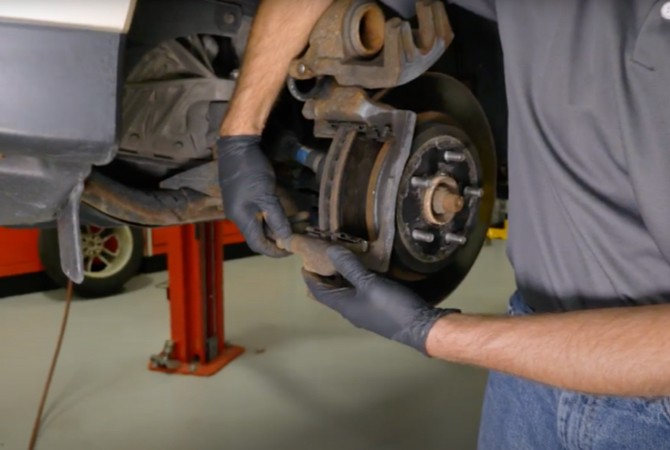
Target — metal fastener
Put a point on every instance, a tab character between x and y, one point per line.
473	192
418	182
455	239
423	236
450	156
229	18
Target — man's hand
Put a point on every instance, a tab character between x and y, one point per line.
374	303
247	184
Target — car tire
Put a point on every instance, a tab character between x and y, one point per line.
112	256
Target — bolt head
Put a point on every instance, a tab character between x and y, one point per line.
229	18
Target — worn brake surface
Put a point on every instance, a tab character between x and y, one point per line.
312	246
355	244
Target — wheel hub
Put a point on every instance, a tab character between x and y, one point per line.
106	251
436	208
440	200
93	245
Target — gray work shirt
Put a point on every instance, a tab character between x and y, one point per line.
588	86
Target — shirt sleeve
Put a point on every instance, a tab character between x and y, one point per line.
407	8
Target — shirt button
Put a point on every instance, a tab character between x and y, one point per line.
665	11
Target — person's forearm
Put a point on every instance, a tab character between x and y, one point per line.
280	32
620	351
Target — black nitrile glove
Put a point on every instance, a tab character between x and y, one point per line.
375	303
247	184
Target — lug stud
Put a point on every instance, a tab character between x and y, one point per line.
418	182
423	236
454	157
455	239
473	192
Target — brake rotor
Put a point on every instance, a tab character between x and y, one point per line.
346	199
446	193
450	119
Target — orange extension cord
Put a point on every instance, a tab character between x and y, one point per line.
54	361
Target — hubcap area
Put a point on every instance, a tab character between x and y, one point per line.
106	250
438	199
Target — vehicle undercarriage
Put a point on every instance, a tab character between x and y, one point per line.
374	145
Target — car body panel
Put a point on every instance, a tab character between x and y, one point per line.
58	116
109	15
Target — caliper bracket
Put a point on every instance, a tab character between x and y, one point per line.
354	44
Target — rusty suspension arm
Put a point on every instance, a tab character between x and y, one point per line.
149	208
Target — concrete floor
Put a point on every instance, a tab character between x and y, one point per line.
308	380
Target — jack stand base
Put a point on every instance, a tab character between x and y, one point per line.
230	353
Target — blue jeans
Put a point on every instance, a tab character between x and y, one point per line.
522	415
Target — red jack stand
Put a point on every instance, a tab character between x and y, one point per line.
195	271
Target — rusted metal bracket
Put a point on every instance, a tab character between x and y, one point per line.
338	105
149	208
353	43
